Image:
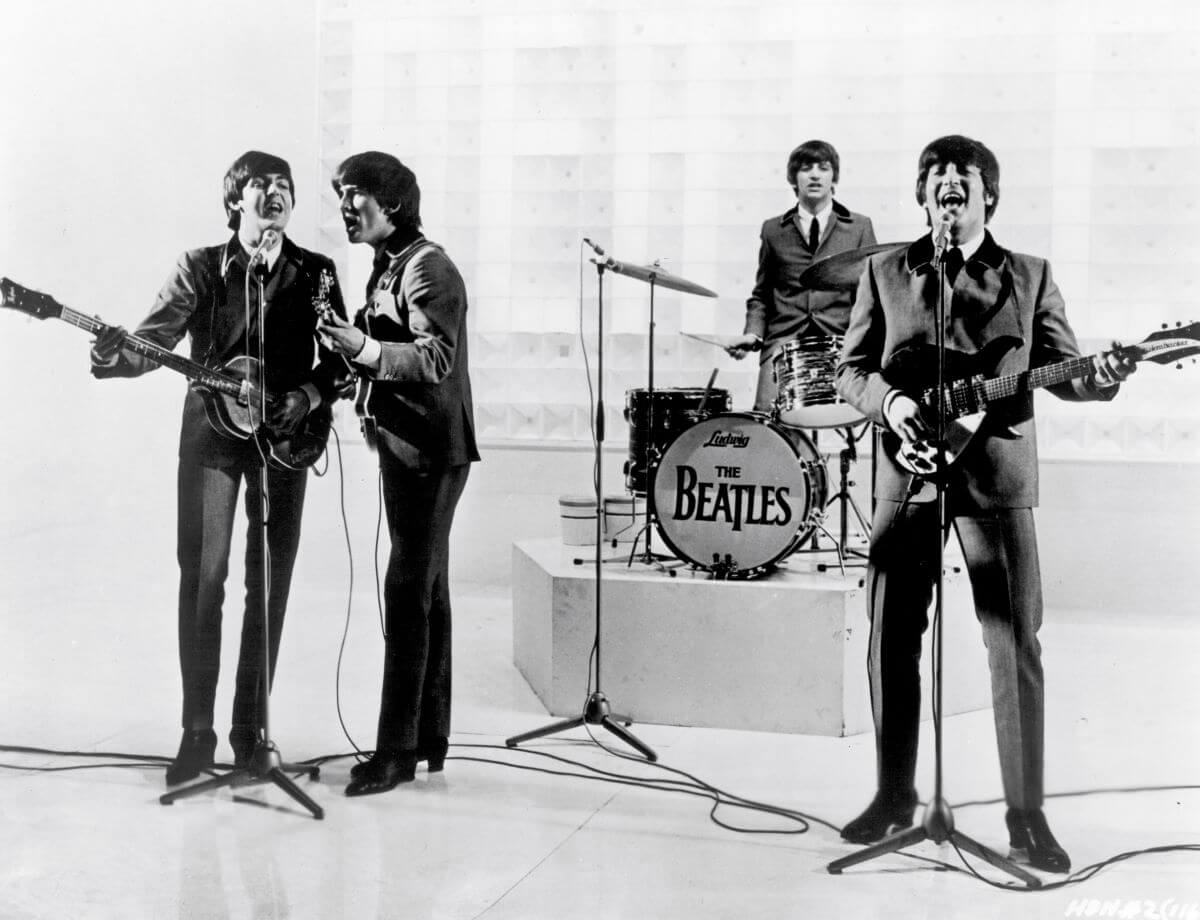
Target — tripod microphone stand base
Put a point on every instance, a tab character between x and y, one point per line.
595	712
938	826
265	766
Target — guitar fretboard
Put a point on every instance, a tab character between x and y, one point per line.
1036	378
202	375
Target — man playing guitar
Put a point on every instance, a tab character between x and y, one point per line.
1005	307
211	297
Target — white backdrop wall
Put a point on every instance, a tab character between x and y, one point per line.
657	129
660	129
120	120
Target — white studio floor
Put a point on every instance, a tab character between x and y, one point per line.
88	663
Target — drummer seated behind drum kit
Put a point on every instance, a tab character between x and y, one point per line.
736	493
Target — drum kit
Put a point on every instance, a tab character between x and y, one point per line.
736	493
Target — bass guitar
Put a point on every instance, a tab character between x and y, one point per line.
967	397
233	395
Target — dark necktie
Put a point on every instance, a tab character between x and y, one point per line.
954	261
814	235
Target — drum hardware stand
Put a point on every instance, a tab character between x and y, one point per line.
596	711
265	764
847	456
938	822
653	455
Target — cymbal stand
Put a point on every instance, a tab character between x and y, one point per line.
653	455
265	764
938	822
596	710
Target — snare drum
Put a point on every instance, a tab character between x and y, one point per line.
804	371
655	423
736	493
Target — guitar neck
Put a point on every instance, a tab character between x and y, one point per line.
1036	378
971	395
214	380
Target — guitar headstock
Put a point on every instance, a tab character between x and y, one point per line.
1169	344
32	303
321	298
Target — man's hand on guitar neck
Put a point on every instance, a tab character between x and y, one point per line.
108	345
1112	366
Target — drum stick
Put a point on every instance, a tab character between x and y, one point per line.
700	338
707	389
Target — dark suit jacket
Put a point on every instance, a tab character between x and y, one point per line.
1001	301
204	298
779	308
421	397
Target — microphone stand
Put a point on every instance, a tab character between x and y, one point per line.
265	764
938	822
596	711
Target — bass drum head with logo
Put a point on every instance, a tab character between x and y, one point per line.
736	493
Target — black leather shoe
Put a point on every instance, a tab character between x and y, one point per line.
888	812
243	739
433	751
383	772
196	750
1031	842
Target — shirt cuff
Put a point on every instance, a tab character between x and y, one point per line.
369	354
313	394
887	404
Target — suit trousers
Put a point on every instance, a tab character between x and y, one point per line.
1000	549
767	390
415	698
207	505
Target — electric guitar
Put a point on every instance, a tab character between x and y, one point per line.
233	394
366	421
967	396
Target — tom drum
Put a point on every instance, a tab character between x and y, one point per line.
804	371
654	423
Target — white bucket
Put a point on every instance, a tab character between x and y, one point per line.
622	517
578	514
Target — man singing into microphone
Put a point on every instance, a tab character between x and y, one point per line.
205	298
1004	310
409	343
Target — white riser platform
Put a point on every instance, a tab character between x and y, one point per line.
783	653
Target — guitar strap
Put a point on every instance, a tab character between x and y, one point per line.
392	282
214	255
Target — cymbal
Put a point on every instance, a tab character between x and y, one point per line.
841	272
654	274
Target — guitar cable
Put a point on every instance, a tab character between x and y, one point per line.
686	784
689	784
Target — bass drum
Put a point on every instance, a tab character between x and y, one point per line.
736	493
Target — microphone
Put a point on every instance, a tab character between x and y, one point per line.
270	239
596	249
940	238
